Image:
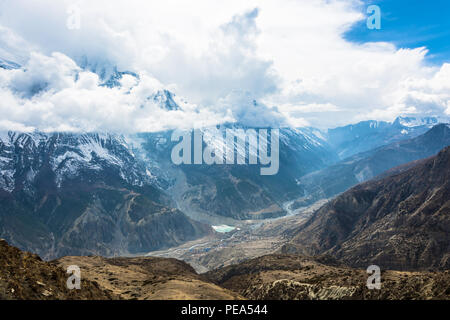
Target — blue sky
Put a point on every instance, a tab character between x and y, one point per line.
410	24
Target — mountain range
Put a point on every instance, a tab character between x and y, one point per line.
339	177
367	135
84	194
56	189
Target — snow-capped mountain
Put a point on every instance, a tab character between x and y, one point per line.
219	192
69	156
411	122
366	135
109	194
102	193
64	193
337	178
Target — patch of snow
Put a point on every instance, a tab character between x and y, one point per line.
4	137
223	228
412	122
149	173
318	134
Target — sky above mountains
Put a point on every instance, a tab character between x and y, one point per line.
263	63
410	24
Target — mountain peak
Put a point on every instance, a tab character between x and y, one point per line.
416	121
8	65
166	100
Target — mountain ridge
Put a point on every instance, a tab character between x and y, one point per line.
361	167
401	221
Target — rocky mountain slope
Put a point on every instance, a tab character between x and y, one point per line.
400	222
84	194
294	277
25	276
238	192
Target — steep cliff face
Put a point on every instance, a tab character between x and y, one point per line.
399	222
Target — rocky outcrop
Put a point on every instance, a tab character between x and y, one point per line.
25	276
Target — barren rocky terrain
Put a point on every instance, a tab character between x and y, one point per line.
277	276
295	277
148	278
25	276
249	240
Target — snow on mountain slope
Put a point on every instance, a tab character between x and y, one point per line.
111	77
215	193
74	194
69	156
411	122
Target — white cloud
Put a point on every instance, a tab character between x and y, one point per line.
219	55
54	94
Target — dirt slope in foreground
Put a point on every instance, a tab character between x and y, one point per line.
292	277
148	278
25	276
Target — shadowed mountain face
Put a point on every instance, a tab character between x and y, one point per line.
337	178
84	194
399	222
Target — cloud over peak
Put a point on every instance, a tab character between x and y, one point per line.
230	59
